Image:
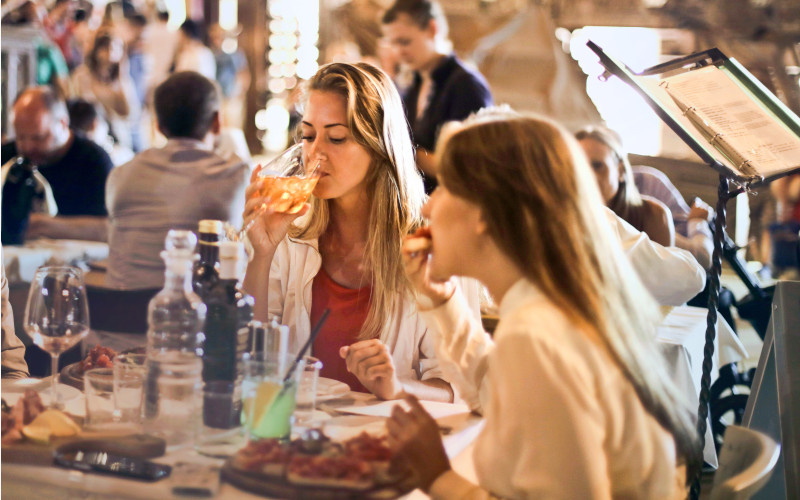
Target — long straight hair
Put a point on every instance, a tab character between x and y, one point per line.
544	211
394	186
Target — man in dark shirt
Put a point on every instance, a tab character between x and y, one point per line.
443	89
75	167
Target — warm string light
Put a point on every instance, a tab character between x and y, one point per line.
292	55
228	14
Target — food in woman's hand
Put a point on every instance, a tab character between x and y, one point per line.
358	463
98	357
419	241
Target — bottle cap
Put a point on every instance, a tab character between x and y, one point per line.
179	239
210	226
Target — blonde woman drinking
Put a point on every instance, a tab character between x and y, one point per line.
576	399
343	252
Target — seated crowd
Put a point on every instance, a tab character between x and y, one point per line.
515	201
576	397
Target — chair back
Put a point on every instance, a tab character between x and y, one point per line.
746	462
120	311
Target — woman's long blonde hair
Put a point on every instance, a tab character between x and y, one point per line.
394	186
543	209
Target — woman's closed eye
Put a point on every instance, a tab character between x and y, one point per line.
334	140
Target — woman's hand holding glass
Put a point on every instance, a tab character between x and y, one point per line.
371	361
418	271
415	440
265	228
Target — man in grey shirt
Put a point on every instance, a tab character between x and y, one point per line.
173	187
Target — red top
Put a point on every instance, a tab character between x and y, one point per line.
349	308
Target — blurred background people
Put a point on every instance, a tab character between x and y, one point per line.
160	44
233	75
75	167
785	242
104	78
59	24
172	187
192	53
82	36
86	119
51	67
618	189
443	88
139	67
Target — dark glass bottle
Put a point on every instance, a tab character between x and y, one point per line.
205	272
21	191
229	310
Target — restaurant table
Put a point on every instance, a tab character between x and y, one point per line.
48	483
681	336
21	261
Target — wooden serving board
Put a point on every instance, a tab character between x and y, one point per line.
279	487
131	445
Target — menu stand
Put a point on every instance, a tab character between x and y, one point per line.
727	176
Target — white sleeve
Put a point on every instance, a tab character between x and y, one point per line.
670	274
462	346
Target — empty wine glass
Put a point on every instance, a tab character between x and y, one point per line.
57	315
287	183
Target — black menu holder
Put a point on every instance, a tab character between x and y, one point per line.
726	150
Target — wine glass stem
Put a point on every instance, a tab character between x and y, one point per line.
56	397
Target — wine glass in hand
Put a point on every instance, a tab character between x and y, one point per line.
57	315
284	184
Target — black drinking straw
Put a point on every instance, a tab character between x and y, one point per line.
314	333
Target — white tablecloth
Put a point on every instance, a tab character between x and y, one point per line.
21	261
682	335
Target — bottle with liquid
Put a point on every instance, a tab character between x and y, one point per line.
173	388
24	191
229	311
205	271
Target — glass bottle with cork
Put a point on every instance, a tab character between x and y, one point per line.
172	399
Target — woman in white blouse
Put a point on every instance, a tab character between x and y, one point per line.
577	401
344	253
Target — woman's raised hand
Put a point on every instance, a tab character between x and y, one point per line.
265	228
415	262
